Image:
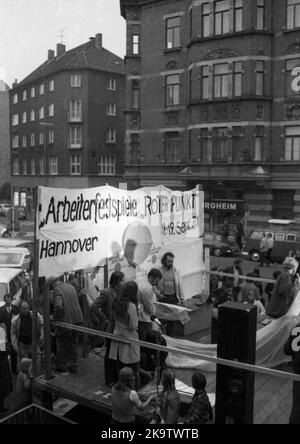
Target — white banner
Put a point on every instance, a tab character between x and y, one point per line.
78	229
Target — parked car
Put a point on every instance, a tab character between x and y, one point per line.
14	282
286	239
19	257
218	247
4	209
3	230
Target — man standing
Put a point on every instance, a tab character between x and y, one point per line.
264	248
170	284
234	282
146	298
66	309
270	246
102	315
21	332
7	312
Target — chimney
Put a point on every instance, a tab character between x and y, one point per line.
99	41
51	54
15	83
60	49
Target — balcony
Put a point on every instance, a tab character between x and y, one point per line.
74	144
75	117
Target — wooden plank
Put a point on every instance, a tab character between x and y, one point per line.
272	401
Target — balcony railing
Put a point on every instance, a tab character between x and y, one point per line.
74	143
75	116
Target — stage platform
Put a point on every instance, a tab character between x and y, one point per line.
273	396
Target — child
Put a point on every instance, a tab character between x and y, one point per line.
200	411
251	299
23	384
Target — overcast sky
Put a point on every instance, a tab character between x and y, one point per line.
28	28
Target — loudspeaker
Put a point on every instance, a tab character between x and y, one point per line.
236	342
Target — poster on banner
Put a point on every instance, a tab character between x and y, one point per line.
78	229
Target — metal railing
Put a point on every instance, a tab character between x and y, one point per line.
35	414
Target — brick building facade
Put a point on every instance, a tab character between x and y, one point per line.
67	122
209	101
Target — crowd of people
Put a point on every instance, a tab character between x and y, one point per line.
127	309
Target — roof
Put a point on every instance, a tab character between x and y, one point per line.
7	274
85	56
3	86
8	243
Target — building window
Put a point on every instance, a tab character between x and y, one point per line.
238	15
293	14
260	78
76	111
32	92
75	164
15	167
292	144
205	82
134	148
32	116
237	155
205	20
112	84
203	151
290	65
135	100
260	21
111	136
41	113
51	85
283	204
24	95
221	80
220	145
172	149
107	166
259	144
15	119
51	110
173	33
111	109
41	139
42	166
53	166
24	142
237	79
15	99
135	44
32	167
15	142
172	90
222	14
24	117
32	140
24	167
75	137
42	89
75	80
51	136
